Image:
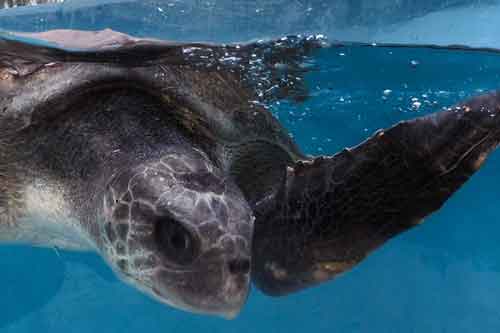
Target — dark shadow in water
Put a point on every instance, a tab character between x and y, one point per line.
31	277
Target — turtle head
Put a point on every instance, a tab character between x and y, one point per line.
180	231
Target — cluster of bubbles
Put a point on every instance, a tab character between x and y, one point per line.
273	68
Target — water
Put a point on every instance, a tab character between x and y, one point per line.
443	276
468	22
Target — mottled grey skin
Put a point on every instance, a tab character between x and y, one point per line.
156	155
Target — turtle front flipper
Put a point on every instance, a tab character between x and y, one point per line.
333	211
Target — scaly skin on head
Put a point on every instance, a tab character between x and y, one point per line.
169	221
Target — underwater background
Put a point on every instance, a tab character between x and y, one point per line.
442	276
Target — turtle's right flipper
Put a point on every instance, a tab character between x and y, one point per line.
333	211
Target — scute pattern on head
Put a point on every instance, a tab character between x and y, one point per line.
208	210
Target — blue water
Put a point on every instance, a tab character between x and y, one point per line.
443	276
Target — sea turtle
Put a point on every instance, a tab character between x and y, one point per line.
160	157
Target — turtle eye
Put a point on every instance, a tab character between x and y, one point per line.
176	242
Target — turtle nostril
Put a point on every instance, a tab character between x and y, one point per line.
239	266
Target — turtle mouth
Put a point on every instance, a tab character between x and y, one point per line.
211	293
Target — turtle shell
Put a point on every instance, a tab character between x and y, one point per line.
214	93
